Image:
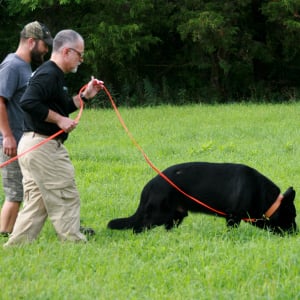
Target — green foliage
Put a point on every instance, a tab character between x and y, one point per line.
119	43
26	6
284	20
204	50
201	259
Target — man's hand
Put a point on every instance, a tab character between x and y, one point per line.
66	124
93	88
9	146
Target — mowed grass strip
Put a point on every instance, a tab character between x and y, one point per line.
198	260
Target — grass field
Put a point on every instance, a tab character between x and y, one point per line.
198	260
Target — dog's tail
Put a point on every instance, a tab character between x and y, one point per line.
126	223
136	221
122	223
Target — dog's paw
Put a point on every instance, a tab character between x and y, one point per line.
233	221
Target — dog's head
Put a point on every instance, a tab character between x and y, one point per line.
283	219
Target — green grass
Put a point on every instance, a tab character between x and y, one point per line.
198	260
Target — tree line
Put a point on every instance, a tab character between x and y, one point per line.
167	51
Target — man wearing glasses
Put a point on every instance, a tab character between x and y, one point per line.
48	174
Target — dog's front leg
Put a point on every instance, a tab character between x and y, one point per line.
176	219
232	221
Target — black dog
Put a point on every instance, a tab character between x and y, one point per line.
237	191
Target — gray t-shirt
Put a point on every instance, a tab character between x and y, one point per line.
14	76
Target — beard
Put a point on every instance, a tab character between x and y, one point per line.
74	70
36	56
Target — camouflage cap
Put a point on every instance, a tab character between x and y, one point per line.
37	31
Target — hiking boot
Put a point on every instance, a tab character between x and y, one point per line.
87	231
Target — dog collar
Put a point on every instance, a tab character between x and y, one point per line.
268	214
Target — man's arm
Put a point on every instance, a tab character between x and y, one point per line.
92	89
64	123
9	141
4	125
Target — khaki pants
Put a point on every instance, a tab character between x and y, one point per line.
49	190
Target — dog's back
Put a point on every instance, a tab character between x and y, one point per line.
221	185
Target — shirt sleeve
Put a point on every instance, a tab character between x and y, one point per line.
8	82
33	100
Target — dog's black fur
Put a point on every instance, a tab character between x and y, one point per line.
234	189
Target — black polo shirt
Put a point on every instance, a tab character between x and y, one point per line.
46	90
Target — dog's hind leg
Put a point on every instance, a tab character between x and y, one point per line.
138	229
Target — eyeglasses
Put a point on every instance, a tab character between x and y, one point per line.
80	54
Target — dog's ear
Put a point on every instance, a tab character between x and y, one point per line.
289	194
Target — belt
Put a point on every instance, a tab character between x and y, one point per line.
35	134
